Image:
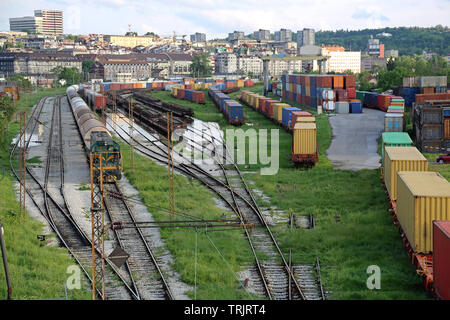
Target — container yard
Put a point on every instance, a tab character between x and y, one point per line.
329	173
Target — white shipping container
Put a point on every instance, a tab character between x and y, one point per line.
342	107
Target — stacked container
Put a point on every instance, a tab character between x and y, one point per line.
394	139
401	159
314	90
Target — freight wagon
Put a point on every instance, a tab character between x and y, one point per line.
304	149
95	136
232	110
416	197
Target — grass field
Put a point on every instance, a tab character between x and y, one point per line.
37	271
354	228
216	279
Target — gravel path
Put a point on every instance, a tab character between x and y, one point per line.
355	140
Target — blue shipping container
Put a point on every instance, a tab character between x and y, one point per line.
286	114
355	107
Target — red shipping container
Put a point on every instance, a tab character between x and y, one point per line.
340	94
99	101
262	104
307	100
441	259
349	81
198	96
298	114
180	93
384	101
326	82
114	86
299	98
351	93
291	96
431	97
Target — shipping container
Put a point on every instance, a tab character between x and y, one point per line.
401	159
447	128
304	138
432	81
342	107
278	111
393	122
441	259
394	139
286	116
299	114
422	198
355	106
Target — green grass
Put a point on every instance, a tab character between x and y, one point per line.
364	234
37	271
214	279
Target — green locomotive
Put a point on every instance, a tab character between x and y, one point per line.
102	143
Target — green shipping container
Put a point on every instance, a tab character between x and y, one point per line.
394	139
360	95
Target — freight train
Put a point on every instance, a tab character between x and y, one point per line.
232	110
95	136
420	202
302	124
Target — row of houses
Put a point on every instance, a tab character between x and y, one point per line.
107	67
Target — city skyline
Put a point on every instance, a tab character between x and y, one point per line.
218	18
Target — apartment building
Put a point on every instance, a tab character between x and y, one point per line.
129	41
262	34
225	63
284	35
306	37
31	24
236	35
342	61
138	70
250	64
52	21
43	21
33	64
198	37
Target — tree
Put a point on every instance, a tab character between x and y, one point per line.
152	34
71	75
200	65
6	112
22	82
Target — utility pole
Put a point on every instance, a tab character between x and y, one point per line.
170	164
131	119
22	163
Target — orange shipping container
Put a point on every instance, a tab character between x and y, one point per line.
447	128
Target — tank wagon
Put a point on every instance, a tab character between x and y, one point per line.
95	136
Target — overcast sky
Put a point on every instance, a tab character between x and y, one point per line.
218	17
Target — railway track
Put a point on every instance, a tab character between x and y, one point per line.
276	279
58	215
142	261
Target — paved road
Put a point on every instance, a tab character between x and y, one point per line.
355	140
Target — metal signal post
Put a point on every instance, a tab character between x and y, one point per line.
98	176
97	225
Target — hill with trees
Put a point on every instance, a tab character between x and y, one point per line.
407	40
